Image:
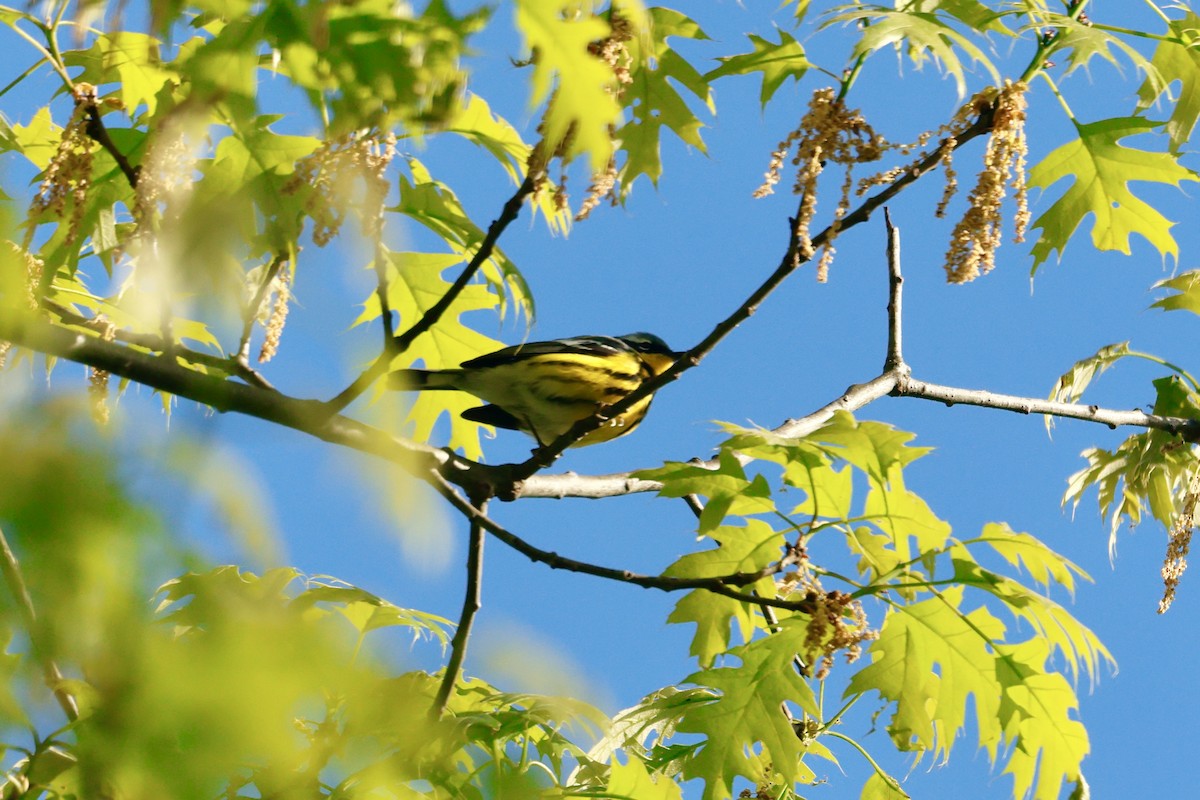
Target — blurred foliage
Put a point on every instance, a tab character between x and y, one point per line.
171	201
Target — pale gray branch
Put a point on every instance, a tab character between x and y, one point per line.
1113	418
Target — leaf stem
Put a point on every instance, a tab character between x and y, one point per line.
46	54
1062	101
825	726
862	751
1180	371
1158	37
11	569
1161	14
22	76
1048	44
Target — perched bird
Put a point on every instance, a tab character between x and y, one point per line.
543	388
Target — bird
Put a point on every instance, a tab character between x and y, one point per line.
543	388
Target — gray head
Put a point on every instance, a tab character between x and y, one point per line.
648	343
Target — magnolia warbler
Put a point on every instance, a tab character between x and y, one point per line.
543	388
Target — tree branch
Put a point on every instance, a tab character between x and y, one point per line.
720	584
1189	429
99	133
398	344
472	602
154	343
895	347
791	261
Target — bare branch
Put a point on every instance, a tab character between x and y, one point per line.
164	374
895	350
95	129
398	344
154	343
721	584
1189	429
472	602
381	287
791	261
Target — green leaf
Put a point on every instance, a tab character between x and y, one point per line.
368	612
11	711
740	549
776	62
923	36
873	447
653	101
415	284
37	141
1083	42
1045	566
131	61
881	787
972	13
901	514
1054	624
226	66
1177	61
1100	169
749	713
877	552
1071	384
1144	470
1035	709
634	781
929	659
435	206
727	488
476	123
374	62
807	465
1187	285
584	102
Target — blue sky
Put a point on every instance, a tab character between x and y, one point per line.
677	260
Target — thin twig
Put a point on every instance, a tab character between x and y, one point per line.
895	348
471	605
95	129
11	569
153	342
254	307
720	584
398	344
792	259
768	611
381	287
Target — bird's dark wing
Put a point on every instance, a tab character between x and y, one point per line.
492	415
582	345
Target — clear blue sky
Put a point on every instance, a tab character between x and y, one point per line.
675	262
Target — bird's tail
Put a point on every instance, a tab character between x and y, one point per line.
419	380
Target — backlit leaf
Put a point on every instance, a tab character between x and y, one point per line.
583	101
923	36
1100	169
746	548
1071	384
776	62
747	715
929	659
1177	61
